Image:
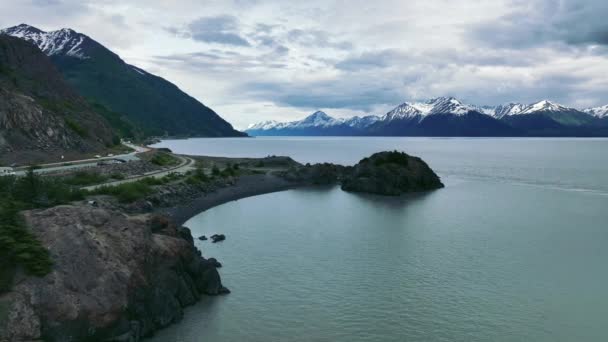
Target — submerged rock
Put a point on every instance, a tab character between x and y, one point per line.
115	277
391	173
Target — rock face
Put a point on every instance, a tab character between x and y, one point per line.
115	277
41	116
391	173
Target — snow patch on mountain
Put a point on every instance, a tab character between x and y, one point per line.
508	109
600	112
64	41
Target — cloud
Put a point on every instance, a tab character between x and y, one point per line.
280	59
316	38
539	22
222	29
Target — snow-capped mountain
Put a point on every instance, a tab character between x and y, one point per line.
361	121
402	112
316	119
545	106
599	112
64	41
447	116
445	105
439	105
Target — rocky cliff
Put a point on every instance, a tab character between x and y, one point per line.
41	117
115	277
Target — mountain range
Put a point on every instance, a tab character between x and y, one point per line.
132	99
448	116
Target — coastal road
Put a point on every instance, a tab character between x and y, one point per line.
186	164
85	163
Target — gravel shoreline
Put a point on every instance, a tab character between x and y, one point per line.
246	186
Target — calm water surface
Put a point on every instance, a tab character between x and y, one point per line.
513	249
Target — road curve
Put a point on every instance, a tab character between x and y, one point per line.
186	164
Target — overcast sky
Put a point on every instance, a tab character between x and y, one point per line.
253	60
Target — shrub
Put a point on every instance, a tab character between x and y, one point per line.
128	192
76	128
197	177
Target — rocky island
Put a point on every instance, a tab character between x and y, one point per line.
114	261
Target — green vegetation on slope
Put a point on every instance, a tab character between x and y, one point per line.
164	159
84	178
122	127
153	104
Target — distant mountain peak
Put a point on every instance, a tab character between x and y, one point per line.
318	118
64	41
403	111
545	106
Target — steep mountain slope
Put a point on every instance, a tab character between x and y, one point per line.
41	117
155	105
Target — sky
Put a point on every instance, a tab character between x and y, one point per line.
255	60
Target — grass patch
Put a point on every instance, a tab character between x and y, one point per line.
133	191
127	192
84	178
164	159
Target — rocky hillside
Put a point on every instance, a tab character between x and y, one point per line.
152	103
41	117
115	277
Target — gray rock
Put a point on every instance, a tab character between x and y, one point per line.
113	278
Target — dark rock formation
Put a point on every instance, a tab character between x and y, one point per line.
115	277
218	237
391	173
202	238
383	173
214	262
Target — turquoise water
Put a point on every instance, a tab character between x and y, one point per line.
513	249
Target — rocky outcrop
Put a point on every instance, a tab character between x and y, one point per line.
391	173
115	277
383	173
